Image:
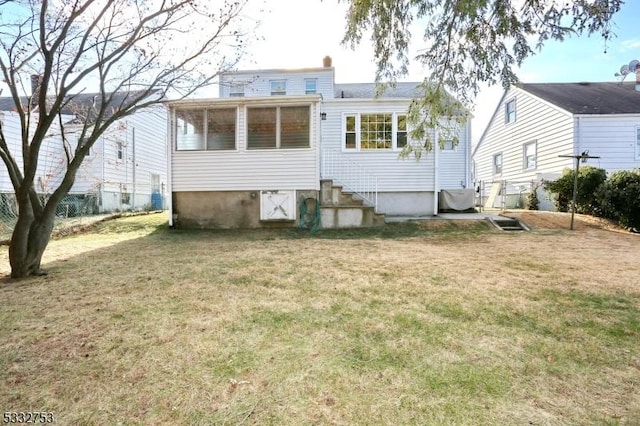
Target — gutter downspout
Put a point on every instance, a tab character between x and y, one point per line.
169	148
576	145
467	172
436	171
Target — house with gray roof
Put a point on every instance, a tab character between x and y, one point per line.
283	147
535	126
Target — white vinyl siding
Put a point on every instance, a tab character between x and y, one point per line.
393	173
250	169
552	128
257	83
612	138
454	162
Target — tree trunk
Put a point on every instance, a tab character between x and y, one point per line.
30	237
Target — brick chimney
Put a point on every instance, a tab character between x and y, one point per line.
326	61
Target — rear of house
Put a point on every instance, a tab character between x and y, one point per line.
278	143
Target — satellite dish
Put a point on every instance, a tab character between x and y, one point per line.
624	70
633	65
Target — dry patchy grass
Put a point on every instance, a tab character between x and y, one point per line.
406	325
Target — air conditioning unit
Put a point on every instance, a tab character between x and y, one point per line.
277	205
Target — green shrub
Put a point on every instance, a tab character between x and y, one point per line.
589	179
619	199
532	202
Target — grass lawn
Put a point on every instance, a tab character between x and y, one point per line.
139	324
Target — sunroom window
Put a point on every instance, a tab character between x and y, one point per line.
205	129
278	127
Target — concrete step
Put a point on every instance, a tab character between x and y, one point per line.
333	217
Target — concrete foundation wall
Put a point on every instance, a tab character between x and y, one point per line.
226	209
406	203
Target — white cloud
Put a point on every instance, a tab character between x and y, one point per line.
631	44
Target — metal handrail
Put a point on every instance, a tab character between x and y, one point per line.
351	175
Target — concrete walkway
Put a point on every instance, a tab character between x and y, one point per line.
445	216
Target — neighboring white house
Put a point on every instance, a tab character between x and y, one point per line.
275	138
534	124
125	169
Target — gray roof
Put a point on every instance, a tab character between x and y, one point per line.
589	98
82	102
368	91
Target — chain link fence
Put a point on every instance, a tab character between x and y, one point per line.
511	194
77	210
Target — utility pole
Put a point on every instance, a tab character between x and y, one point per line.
582	157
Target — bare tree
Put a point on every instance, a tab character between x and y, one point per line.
132	53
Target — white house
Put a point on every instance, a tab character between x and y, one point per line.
535	124
125	169
276	139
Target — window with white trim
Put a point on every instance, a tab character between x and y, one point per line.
510	111
401	131
310	86
529	155
119	151
278	87
350	132
497	164
281	127
374	131
236	90
448	145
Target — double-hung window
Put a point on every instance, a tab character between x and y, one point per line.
374	131
510	111
497	164
236	90
529	156
278	87
278	127
310	86
448	145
